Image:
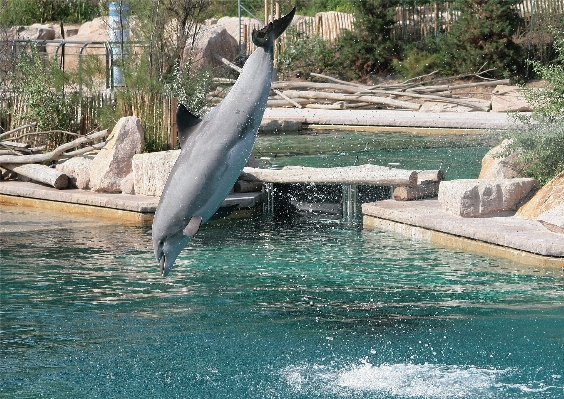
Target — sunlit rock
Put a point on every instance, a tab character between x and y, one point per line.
150	171
78	171
509	99
475	198
553	219
213	40
549	196
495	166
114	162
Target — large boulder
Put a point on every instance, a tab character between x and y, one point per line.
553	219
549	196
114	162
213	40
150	171
509	99
495	166
476	198
96	30
33	32
78	171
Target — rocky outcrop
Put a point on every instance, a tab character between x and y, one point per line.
33	32
495	166
549	196
477	198
114	162
213	40
78	171
509	99
150	171
553	219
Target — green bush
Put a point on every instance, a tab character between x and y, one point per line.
26	12
541	137
305	54
370	48
481	38
417	62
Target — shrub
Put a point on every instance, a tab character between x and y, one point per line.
417	62
541	137
26	12
371	47
305	54
481	38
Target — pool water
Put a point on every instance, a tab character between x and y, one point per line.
263	306
257	307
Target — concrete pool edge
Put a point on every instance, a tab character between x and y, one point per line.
127	208
506	237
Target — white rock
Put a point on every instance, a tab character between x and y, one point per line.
114	162
78	171
150	171
553	219
509	99
495	166
475	198
127	186
213	40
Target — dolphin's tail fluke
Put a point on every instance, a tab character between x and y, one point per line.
266	36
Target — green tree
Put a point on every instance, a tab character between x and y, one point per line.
481	38
370	48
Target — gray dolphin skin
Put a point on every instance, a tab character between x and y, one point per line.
214	151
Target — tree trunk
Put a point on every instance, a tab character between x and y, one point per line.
40	173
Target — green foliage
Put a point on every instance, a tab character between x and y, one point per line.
27	12
305	54
548	101
371	47
417	62
541	148
541	137
40	84
481	38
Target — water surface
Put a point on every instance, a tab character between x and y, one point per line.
258	307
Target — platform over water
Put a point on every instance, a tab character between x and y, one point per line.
516	238
356	117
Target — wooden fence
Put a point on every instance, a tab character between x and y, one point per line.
157	115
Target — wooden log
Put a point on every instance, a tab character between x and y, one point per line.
430	176
14	144
40	173
352	97
243	186
420	191
363	174
54	155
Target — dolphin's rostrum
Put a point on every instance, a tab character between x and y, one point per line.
215	149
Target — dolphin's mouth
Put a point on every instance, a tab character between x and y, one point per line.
162	264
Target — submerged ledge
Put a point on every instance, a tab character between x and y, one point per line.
124	207
515	238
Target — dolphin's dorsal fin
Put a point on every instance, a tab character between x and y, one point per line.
193	226
186	123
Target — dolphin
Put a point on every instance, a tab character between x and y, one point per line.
214	150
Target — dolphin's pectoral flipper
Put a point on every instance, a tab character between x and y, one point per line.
193	226
186	123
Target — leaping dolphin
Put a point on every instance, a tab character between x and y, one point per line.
214	151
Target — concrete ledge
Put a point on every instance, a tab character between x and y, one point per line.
128	208
402	118
522	240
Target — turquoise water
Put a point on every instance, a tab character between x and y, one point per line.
263	307
459	155
256	308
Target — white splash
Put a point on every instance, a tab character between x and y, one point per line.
429	381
